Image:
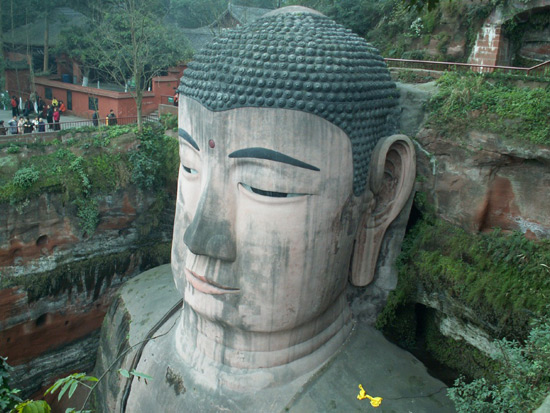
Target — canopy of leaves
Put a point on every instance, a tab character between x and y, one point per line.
127	40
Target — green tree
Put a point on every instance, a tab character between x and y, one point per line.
128	43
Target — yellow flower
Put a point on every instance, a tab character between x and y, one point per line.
374	401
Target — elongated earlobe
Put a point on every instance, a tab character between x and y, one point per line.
391	180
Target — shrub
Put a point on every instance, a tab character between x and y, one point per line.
169	121
25	177
522	378
88	214
14	148
155	162
8	397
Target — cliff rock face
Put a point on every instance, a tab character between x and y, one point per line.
56	283
483	182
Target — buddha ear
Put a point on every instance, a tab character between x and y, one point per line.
391	179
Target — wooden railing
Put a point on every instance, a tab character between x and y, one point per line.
542	69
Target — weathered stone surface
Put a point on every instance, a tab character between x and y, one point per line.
412	101
60	283
483	182
139	304
384	369
457	321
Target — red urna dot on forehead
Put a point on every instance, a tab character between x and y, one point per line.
211	143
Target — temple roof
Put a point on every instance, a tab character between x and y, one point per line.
33	33
231	17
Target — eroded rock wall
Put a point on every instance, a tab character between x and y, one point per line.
478	182
57	283
483	182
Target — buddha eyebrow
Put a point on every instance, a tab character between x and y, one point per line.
186	137
271	155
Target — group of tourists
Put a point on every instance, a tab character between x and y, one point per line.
23	125
49	116
40	117
33	105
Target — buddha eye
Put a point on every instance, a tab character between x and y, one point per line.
272	194
189	170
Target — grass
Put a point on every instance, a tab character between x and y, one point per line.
503	278
470	101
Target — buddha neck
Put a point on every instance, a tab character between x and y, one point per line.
205	345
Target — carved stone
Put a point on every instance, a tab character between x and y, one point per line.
288	166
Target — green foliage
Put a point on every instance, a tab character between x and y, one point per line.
118	130
88	214
25	177
522	378
155	162
133	372
70	384
472	101
413	76
93	164
9	401
13	148
8	397
33	406
169	121
455	354
515	29
396	27
503	278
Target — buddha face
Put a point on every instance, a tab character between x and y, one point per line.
265	217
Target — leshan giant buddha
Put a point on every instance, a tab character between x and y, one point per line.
289	177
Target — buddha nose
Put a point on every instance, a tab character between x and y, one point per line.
211	230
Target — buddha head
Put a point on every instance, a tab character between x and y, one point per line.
289	176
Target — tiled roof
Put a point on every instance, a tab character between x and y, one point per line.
201	36
33	33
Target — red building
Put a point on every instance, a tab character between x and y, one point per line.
83	100
25	47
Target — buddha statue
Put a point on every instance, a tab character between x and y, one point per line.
290	174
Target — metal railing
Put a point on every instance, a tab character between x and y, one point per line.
51	129
542	69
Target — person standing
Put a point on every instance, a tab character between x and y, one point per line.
41	125
14	109
44	110
34	101
3	130
49	117
95	118
35	124
56	118
111	118
13	125
20	124
27	126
